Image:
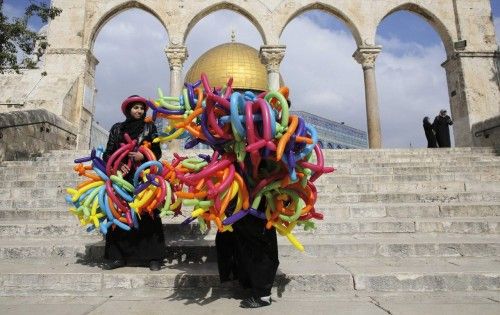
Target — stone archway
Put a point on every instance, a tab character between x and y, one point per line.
117	9
413	82
131	62
336	12
224	6
430	17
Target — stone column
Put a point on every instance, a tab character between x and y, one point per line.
176	55
474	91
366	56
271	56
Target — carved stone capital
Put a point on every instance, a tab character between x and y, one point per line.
366	56
176	55
271	56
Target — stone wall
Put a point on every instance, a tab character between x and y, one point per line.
27	134
98	136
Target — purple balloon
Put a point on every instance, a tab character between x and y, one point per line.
85	159
257	214
206	157
188	220
191	143
235	217
99	163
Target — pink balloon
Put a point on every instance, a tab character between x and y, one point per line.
224	184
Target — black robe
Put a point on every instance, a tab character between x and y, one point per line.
440	125
147	242
249	254
429	134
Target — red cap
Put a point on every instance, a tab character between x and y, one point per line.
133	99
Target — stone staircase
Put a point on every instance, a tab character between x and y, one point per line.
395	221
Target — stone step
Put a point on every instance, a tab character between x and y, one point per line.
34	179
325	200
417	186
417	274
90	280
343	275
330	179
376	161
438	164
369	170
331	212
414	210
446	164
58	190
487	225
191	249
37	214
379	184
348	153
56	181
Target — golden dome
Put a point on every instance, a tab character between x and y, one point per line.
235	60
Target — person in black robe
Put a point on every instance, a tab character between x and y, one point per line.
441	126
429	133
147	243
249	254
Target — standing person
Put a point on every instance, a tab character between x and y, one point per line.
249	254
429	133
257	255
147	243
440	125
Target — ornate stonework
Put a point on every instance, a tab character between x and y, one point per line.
366	55
176	55
271	56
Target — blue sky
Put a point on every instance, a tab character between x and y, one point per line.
329	84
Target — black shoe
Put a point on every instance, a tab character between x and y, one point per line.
114	264
154	265
253	302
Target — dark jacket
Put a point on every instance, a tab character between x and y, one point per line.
429	133
441	126
116	137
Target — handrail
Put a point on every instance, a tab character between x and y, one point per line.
35	123
478	133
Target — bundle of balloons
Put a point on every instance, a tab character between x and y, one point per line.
263	159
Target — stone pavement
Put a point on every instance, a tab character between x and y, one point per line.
483	303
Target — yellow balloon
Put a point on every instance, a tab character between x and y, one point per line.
196	213
295	242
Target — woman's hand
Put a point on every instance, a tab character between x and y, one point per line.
137	156
124	169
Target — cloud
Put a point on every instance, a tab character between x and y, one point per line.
318	67
131	61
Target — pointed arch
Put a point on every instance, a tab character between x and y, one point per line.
117	10
331	10
224	6
431	18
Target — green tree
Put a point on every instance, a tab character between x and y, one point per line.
16	36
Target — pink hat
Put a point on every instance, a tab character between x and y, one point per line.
131	100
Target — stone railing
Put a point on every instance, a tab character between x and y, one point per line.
27	134
487	133
98	136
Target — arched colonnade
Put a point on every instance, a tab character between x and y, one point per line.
468	44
